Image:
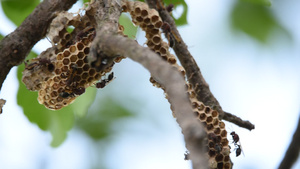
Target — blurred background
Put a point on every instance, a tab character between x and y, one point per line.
248	52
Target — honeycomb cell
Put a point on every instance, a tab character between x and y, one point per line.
172	60
84	75
72	49
144	13
217	131
156	39
79	71
209	127
59	57
66	61
158	24
222	125
211	153
86	67
219	157
214	113
224	141
65	68
220	165
209	119
154	18
207	109
92	72
223	133
73	58
86	50
139	19
79	63
202	116
80	46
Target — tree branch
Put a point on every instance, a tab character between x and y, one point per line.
111	44
292	152
15	47
192	70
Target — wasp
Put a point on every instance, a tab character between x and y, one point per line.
235	137
39	61
104	82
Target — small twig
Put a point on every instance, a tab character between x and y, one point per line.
293	151
16	46
2	103
192	70
238	121
112	44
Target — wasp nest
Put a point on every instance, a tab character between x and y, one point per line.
150	21
62	72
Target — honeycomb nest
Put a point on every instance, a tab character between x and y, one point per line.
62	73
217	143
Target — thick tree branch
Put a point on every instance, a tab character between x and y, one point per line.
192	70
293	151
16	46
112	44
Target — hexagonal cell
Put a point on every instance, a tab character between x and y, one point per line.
217	131
158	24
80	46
211	152
139	19
60	56
211	144
86	67
207	110
201	107
220	165
222	125
92	72
79	71
224	141
144	13
86	50
214	113
209	119
73	58
172	60
82	82
223	133
156	39
215	122
85	41
227	165
65	68
72	49
219	157
226	159
209	127
80	55
57	71
79	63
85	75
66	61
202	116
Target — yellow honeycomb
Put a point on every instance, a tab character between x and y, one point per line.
150	21
62	72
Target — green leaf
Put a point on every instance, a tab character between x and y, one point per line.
98	124
182	19
83	102
259	2
129	29
255	20
1	36
18	10
57	122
